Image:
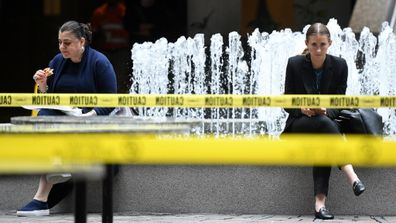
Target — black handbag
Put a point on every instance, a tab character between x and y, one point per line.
360	121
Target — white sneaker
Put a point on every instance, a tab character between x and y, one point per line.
33	213
56	178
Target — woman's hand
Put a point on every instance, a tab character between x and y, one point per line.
313	111
320	111
40	77
308	112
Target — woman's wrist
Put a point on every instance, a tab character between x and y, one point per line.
42	89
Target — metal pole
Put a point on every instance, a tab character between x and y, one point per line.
107	211
80	201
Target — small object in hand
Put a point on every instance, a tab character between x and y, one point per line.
48	71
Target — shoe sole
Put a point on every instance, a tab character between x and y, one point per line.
58	178
33	213
318	217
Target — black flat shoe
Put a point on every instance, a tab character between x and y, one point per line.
358	187
324	214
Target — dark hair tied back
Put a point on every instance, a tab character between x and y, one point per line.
87	31
79	30
317	28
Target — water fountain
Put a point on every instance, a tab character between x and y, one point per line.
188	67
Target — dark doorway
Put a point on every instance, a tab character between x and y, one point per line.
29	38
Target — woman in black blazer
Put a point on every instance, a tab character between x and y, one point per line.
318	73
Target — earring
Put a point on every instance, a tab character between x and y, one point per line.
82	49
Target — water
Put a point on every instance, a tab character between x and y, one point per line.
189	67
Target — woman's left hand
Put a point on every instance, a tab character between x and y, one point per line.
320	111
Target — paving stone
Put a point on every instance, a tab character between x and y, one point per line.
9	216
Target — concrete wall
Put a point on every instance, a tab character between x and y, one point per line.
222	189
371	14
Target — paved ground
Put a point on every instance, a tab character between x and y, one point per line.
189	218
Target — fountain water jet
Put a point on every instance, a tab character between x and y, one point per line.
185	67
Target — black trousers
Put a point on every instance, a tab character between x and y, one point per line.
320	124
59	192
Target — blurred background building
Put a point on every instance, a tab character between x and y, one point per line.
29	28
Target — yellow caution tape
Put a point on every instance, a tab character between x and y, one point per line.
290	150
126	148
82	148
207	101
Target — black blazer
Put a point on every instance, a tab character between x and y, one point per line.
300	79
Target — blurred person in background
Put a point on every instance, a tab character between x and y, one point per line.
112	39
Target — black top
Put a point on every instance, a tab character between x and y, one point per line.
301	79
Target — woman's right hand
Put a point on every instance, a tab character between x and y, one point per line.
41	80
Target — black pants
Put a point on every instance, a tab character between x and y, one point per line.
61	190
323	125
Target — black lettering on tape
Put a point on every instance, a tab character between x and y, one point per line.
305	101
132	100
83	100
45	100
256	101
215	101
388	102
344	101
5	100
169	101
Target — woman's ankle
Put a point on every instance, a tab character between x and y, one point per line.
40	198
318	207
320	201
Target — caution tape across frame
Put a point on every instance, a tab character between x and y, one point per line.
199	101
142	149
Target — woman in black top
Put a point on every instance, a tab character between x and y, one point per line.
318	73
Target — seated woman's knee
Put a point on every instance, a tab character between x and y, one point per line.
325	124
